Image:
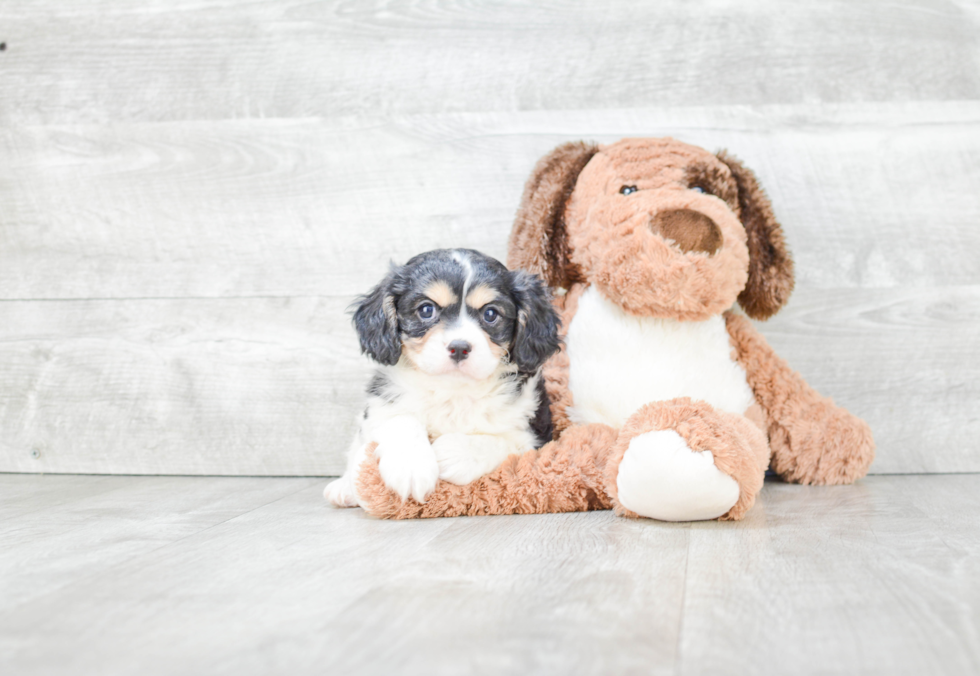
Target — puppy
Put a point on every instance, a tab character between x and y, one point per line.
460	341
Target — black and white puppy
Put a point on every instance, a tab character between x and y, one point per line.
460	341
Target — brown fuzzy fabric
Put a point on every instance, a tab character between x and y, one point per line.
621	242
771	276
813	441
555	370
538	240
610	475
562	476
716	179
739	447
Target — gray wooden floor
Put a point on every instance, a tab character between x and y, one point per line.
179	575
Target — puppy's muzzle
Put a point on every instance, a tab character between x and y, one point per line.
459	350
691	230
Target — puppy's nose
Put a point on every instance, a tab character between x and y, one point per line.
691	230
459	350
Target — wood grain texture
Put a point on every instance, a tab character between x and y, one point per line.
871	195
192	191
65	529
160	575
880	216
246	387
903	359
196	60
867	585
275	386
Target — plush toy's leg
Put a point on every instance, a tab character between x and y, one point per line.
683	460
563	476
813	440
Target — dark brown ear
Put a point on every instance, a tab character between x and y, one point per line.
770	264
539	240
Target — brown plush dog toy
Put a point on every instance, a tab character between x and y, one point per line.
666	403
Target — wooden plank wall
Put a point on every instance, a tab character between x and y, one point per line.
192	191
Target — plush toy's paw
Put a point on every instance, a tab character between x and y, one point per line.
340	493
683	460
829	446
660	477
410	469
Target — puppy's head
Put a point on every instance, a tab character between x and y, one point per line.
662	228
458	312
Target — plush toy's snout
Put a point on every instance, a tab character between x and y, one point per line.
690	230
665	228
663	250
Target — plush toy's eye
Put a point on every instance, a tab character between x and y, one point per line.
697	188
490	315
426	310
628	189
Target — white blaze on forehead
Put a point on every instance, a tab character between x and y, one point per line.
464	261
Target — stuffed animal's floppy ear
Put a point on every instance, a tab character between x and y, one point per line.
538	240
376	321
770	264
536	336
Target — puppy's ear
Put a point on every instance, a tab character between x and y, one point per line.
770	264
536	336
538	240
376	321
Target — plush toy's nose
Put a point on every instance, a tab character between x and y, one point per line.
459	350
691	230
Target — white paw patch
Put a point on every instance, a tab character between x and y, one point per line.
340	493
660	477
409	469
464	458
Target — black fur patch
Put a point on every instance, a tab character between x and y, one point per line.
536	334
541	425
376	322
378	387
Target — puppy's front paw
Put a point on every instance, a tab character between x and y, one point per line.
458	464
409	469
340	493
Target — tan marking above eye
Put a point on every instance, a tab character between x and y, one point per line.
480	296
441	294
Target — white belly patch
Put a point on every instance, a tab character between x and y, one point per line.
619	362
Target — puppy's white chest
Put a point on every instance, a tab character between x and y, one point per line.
619	362
443	405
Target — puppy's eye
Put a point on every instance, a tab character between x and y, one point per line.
699	189
490	315
628	189
426	310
